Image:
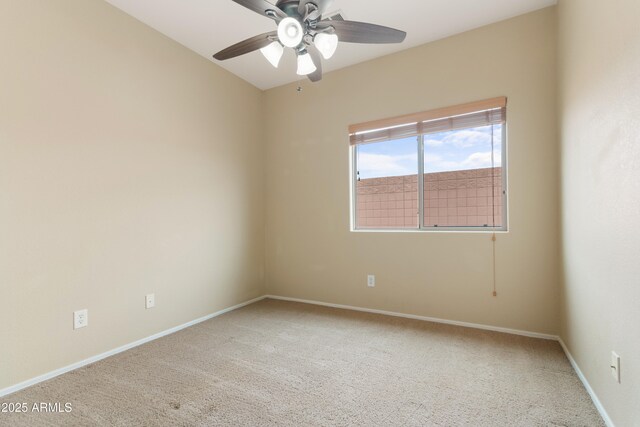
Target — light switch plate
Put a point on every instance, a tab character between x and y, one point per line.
371	281
615	366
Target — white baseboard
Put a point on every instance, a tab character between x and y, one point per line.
424	318
575	366
592	394
93	359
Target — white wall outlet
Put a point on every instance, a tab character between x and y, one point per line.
80	318
371	281
615	366
150	301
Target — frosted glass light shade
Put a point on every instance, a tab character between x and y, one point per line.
290	32
305	65
273	53
326	44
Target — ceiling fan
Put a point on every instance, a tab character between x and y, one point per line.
301	27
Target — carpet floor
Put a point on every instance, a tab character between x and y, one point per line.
290	364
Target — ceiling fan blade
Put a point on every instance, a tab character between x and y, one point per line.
316	76
323	5
362	32
246	46
261	7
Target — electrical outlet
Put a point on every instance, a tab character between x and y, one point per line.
150	301
615	366
371	281
80	318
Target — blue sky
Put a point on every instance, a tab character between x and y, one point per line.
446	151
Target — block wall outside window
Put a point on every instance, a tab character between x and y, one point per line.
459	198
463	198
390	202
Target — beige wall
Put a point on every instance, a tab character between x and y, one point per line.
600	141
124	170
312	254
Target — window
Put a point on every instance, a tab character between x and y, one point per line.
438	170
387	183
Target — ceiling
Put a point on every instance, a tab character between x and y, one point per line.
207	26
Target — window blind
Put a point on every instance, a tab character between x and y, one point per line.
475	114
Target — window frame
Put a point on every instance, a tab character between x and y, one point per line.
504	228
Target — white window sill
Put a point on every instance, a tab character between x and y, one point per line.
470	230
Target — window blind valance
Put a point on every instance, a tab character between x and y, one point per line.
475	114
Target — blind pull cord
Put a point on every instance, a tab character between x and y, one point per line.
493	242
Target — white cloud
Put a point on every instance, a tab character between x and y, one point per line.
460	150
480	160
467	139
433	142
477	161
376	165
433	162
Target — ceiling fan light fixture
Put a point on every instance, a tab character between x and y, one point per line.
326	44
304	26
273	53
290	32
305	64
